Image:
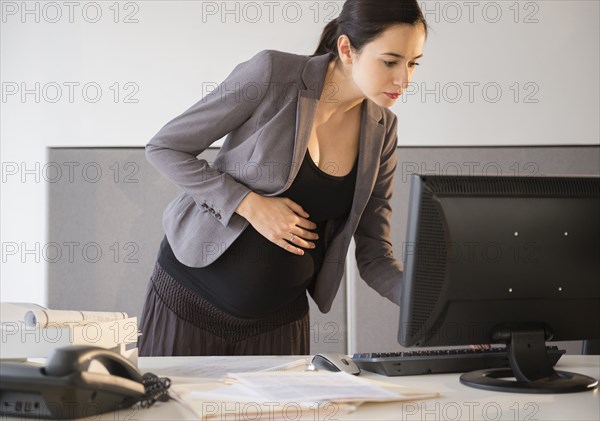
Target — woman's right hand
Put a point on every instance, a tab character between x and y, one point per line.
280	220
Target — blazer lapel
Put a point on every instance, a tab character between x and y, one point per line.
313	77
305	117
372	137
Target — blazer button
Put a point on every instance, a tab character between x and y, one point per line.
218	215
211	210
204	205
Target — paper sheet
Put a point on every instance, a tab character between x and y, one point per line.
310	387
218	367
215	409
305	394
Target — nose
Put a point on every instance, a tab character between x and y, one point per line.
402	78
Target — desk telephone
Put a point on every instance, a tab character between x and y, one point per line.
64	388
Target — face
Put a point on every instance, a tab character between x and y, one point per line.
384	67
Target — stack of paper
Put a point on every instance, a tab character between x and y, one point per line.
32	331
290	395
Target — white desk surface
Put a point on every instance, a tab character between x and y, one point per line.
457	402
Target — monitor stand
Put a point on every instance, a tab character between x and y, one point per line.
526	349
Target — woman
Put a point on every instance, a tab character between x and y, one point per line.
307	163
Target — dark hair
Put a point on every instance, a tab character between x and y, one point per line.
364	20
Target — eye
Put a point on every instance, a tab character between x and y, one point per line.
390	63
414	64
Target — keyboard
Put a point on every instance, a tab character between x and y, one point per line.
440	361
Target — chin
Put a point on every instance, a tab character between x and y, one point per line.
383	102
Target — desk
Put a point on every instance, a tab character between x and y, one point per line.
457	402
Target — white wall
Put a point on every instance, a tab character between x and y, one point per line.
143	62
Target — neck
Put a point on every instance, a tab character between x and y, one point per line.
340	94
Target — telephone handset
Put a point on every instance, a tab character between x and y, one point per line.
64	388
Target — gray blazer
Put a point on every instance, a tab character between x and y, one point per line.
266	107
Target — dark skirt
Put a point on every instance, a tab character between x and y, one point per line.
175	322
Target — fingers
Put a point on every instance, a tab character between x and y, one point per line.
308	227
290	247
300	238
295	243
301	233
295	231
296	208
301	214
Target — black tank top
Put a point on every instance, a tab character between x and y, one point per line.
254	276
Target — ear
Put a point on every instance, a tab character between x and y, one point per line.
345	49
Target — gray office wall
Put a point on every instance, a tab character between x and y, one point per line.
105	225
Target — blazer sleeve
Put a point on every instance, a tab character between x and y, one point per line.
374	253
173	150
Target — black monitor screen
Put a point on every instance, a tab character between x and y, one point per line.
487	255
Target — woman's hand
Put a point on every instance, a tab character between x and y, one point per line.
279	220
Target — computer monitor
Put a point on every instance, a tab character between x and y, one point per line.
513	260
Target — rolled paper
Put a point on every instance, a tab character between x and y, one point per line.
42	318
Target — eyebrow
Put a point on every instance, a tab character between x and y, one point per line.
400	55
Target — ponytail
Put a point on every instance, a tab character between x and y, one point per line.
364	20
328	41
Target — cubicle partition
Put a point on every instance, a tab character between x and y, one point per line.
105	225
105	218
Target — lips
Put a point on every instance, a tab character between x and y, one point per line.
392	96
